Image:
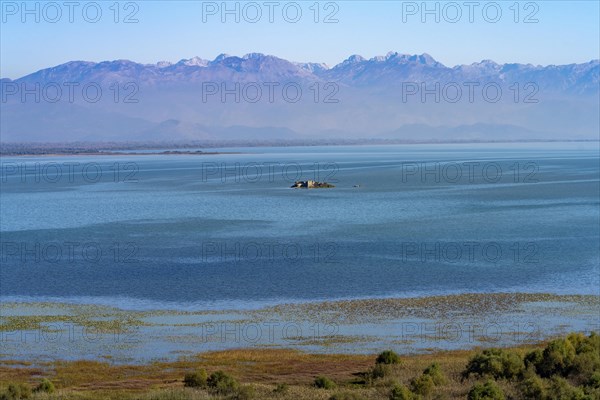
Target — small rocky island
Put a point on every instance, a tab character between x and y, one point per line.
311	185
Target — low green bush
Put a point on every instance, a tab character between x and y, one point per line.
45	386
594	381
437	375
379	371
422	385
388	357
534	357
401	392
561	389
533	388
557	358
486	391
196	379
222	383
578	340
584	365
16	391
323	382
497	363
576	355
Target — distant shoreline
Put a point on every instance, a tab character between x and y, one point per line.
177	148
119	153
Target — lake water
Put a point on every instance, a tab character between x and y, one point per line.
227	231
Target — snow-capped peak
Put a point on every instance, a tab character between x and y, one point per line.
253	56
354	59
487	63
312	67
163	64
378	59
221	57
427	59
194	61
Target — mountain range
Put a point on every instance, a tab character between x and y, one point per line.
257	96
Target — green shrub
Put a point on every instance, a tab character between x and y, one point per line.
592	344
323	382
45	386
485	391
576	355
281	388
388	357
222	383
379	371
583	344
533	388
436	374
592	394
401	392
16	391
584	365
196	379
578	340
561	389
557	358
594	381
497	363
534	357
422	385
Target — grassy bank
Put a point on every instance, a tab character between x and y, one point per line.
564	368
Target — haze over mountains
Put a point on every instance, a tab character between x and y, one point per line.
397	96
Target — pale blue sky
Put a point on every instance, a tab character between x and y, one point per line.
566	32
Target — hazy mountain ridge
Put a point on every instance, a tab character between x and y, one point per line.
352	70
358	97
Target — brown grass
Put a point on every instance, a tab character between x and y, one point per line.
262	368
